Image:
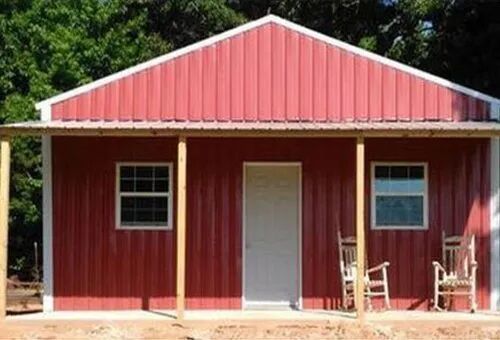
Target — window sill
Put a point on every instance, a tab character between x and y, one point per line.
400	228
145	228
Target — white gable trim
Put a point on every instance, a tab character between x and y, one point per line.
253	24
495	111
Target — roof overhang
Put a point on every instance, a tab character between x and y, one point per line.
249	129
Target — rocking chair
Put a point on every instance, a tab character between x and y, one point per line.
373	287
456	275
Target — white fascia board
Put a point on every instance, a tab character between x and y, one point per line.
253	24
495	111
45	112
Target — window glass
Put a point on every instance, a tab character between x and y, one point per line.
399	210
399	196
144	196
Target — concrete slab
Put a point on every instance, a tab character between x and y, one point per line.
239	315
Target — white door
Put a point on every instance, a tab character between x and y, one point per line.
271	275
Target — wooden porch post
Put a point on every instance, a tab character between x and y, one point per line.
4	219
181	226
360	227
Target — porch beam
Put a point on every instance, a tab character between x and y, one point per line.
4	219
181	226
246	133
360	227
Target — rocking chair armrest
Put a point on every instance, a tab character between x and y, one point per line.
378	268
438	266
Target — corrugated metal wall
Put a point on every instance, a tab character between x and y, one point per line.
272	73
458	202
96	267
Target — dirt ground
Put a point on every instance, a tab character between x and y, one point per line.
245	330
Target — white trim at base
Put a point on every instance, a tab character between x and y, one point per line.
495	223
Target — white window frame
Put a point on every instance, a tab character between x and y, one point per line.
374	195
119	194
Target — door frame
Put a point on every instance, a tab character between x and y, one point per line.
299	226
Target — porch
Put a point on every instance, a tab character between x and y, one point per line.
209	182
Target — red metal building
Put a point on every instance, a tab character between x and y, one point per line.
270	112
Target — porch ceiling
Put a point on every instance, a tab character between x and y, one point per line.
253	129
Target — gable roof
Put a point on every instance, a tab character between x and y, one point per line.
251	25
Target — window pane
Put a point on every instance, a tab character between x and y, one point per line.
144	211
161	203
144	216
161	172
399	179
127	216
161	216
143	203
416	172
128	203
399	172
161	185
127	172
144	172
399	210
399	185
127	185
416	185
144	179
144	185
381	171
382	185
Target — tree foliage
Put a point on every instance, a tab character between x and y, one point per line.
50	46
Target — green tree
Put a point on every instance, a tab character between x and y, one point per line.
183	22
399	29
47	47
466	47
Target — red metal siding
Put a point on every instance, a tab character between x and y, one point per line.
97	267
271	73
458	203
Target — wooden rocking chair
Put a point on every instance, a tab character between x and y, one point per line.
373	287
456	275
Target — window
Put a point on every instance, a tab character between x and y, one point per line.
144	199
399	196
